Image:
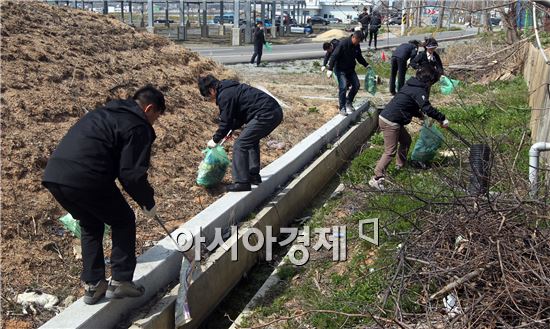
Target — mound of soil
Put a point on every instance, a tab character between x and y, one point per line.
57	64
331	34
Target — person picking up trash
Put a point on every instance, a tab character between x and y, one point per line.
110	142
328	47
259	42
241	104
342	61
411	101
399	58
429	56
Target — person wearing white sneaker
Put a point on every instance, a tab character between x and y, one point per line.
343	60
410	101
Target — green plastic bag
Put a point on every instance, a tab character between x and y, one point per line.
447	85
427	144
268	46
213	166
73	226
370	81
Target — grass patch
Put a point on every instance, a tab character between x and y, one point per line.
430	29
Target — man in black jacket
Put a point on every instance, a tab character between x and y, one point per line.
375	24
241	104
259	41
110	142
328	47
364	20
399	60
342	61
411	101
429	56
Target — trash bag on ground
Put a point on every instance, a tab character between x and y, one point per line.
427	144
213	166
447	85
268	46
72	225
370	81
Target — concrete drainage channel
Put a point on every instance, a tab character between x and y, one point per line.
160	265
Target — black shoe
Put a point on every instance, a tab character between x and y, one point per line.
94	292
255	179
122	289
239	187
392	93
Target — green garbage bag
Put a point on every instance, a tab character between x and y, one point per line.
447	85
213	166
268	46
427	144
370	81
73	226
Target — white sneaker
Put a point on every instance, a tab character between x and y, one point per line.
343	112
377	183
349	108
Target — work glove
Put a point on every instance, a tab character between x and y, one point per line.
211	144
150	213
329	73
323	68
445	123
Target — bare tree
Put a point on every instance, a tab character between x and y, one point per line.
509	24
441	14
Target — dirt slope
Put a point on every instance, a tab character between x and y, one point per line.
58	63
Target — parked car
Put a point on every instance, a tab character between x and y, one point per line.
163	21
394	21
495	20
318	20
334	20
227	19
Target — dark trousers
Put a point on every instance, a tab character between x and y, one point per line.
258	49
399	69
373	35
246	150
346	78
93	209
365	30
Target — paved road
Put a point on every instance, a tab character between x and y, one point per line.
242	54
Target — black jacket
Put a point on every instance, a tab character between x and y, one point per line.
364	19
113	141
259	37
334	43
344	56
422	59
405	51
239	103
375	22
411	101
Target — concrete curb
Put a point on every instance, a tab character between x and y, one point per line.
160	265
278	213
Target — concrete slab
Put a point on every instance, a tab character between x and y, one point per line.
160	265
220	273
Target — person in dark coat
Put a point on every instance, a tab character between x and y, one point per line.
399	59
375	24
259	42
328	47
411	101
111	142
241	104
429	56
364	20
342	61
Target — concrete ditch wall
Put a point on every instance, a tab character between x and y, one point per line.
220	274
160	265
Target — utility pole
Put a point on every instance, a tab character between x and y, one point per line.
248	18
403	16
105	7
236	31
150	26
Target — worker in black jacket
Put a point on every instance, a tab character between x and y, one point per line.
110	142
241	104
328	47
364	20
259	42
399	59
342	61
411	101
375	24
429	56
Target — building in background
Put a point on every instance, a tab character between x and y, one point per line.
344	10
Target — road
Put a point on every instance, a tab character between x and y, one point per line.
242	54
